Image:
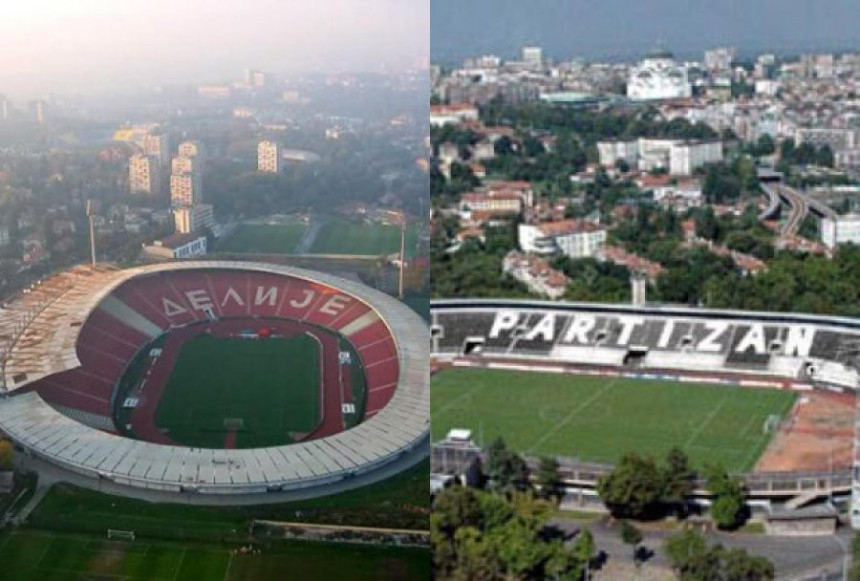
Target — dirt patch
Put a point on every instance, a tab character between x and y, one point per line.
818	435
107	561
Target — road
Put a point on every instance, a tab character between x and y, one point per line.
792	556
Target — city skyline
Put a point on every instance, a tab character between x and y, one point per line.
618	30
53	46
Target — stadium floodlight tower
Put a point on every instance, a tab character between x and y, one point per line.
90	218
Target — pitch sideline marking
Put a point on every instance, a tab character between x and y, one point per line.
599	393
708	419
229	564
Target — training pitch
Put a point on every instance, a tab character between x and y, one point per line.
264	238
26	555
600	418
359	238
266	390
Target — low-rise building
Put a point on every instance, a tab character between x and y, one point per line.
177	246
536	274
840	230
573	238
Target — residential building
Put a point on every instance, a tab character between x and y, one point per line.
185	189
177	246
144	175
269	157
612	151
536	274
157	145
840	230
686	157
573	238
194	218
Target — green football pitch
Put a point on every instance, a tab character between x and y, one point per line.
27	555
346	237
264	238
263	389
600	418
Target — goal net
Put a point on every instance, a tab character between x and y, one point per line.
120	535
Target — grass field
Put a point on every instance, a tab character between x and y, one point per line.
264	238
27	555
346	237
401	501
600	418
271	385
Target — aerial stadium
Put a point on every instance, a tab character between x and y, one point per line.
213	378
770	396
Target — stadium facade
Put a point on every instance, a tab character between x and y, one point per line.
67	341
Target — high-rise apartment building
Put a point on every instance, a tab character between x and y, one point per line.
185	189
157	146
268	157
144	176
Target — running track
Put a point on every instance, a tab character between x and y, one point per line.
143	417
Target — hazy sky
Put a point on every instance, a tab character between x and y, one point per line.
71	45
625	28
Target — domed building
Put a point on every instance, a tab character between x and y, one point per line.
658	76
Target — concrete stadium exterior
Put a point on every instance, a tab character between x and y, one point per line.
38	338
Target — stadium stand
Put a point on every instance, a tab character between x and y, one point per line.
66	344
659	338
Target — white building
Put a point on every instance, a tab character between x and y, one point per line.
268	157
193	218
656	77
612	151
686	157
840	230
144	176
177	246
573	238
452	114
532	55
719	59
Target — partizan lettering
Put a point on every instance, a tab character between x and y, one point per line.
708	336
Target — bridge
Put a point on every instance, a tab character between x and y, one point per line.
799	205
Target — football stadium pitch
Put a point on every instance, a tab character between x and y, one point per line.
359	238
27	555
264	238
263	390
599	419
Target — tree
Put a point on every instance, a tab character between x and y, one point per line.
585	549
634	487
728	508
547	478
693	560
632	536
677	479
506	469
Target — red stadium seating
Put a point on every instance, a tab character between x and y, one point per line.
283	305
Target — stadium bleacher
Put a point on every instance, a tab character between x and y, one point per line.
142	308
721	342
